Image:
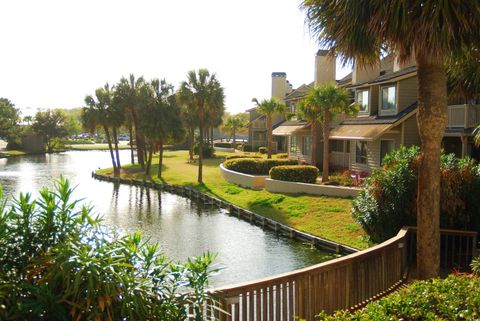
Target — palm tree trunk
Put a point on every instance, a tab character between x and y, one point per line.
139	140
115	141
191	138
109	141
130	132
160	160
326	143
432	119
269	135
149	162
234	138
211	135
314	135
201	122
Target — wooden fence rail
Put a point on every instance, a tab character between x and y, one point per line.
343	283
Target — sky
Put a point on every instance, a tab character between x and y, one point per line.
55	52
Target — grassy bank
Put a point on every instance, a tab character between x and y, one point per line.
92	147
326	217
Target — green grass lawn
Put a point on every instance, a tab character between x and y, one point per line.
8	153
323	216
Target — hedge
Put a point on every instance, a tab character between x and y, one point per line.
255	166
295	173
262	150
388	200
282	155
242	156
453	298
247	148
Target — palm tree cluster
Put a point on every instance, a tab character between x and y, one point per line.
155	115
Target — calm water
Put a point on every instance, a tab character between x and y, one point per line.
182	227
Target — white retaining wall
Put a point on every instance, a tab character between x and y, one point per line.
277	186
244	180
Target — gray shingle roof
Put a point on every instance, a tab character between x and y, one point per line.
377	119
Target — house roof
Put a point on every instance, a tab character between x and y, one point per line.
288	127
345	79
377	119
299	92
359	132
393	75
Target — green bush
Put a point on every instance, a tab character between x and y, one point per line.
388	201
453	298
247	148
242	156
295	173
255	166
58	263
208	151
262	150
282	155
223	145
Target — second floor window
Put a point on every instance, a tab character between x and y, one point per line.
389	99
362	100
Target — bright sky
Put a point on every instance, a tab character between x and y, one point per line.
54	52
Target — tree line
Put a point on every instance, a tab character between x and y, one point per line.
156	114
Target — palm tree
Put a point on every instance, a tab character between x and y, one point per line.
320	106
235	123
97	114
268	108
127	96
427	31
200	90
190	122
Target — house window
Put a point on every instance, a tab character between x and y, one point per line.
386	146
306	148
336	145
362	100
389	104
293	144
293	108
361	152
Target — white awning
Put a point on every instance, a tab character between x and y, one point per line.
286	130
359	132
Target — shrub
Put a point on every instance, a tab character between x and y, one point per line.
255	166
282	155
242	156
208	151
58	263
295	173
453	298
342	179
262	150
247	148
388	201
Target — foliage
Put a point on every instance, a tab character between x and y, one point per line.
342	179
295	173
453	298
255	166
208	151
241	156
388	201
236	123
475	265
223	145
262	150
58	263
9	119
247	148
51	125
282	155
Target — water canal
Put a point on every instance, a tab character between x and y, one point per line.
182	227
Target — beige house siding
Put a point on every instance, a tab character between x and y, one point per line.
411	135
373	156
407	92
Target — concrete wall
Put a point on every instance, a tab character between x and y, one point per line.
244	180
279	85
277	186
325	68
364	74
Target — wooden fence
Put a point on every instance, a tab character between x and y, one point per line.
345	283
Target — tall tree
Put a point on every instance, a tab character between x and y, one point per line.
320	105
190	122
100	112
9	119
51	125
268	108
428	31
201	90
127	96
235	123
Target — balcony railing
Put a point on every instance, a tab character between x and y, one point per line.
463	116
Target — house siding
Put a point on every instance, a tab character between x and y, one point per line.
373	156
411	136
407	92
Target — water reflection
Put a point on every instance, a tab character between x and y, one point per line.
183	227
